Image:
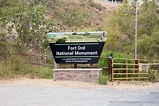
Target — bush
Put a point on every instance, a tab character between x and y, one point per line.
45	73
152	77
103	78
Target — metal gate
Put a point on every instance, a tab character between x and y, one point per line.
129	69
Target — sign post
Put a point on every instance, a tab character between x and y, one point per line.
77	48
67	50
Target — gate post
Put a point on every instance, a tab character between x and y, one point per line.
75	65
110	65
136	66
91	65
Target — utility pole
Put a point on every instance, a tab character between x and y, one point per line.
136	17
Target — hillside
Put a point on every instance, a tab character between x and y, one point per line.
28	22
79	14
110	6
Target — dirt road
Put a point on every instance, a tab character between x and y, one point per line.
41	92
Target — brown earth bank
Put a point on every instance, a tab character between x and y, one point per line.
125	85
109	5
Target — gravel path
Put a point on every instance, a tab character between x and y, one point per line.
27	92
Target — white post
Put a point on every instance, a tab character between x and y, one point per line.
136	30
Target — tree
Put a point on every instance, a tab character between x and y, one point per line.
25	22
120	27
121	30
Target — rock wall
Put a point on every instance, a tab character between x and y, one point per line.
84	75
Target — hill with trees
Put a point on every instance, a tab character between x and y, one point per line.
24	24
121	28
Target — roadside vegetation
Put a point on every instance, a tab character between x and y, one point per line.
24	24
17	67
121	29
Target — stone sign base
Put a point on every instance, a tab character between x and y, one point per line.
84	75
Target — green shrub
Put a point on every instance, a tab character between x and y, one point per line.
103	77
152	77
45	73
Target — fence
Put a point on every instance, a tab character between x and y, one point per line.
129	69
39	59
47	60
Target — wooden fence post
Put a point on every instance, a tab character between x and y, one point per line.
127	69
110	68
63	66
55	65
75	65
136	66
137	69
91	65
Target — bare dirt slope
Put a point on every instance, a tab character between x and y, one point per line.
109	5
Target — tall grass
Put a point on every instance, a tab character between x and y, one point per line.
45	72
14	67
